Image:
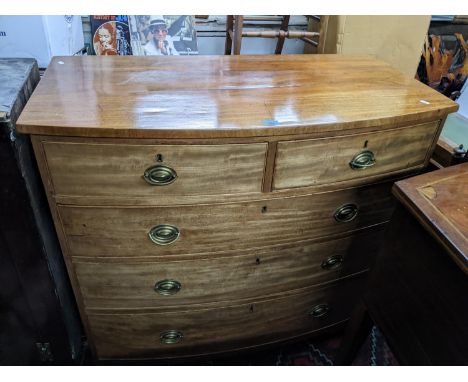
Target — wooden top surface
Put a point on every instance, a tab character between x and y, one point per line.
439	200
219	96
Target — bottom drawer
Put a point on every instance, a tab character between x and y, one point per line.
213	330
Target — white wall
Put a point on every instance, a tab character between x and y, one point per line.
40	37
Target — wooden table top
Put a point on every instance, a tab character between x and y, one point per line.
224	96
439	200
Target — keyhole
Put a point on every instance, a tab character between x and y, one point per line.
365	143
264	209
257	261
159	158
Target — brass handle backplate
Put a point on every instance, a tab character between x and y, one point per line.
164	234
362	160
332	262
159	175
319	310
346	213
170	337
167	287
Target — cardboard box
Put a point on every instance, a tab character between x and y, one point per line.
397	40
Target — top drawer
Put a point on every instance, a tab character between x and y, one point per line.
329	160
108	170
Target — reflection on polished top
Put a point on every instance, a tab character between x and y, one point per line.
216	96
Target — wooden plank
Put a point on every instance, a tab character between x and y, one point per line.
238	26
284	27
262	95
323	34
206	331
123	232
430	198
95	169
325	161
128	284
229	28
269	166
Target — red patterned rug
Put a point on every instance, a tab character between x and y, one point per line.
318	352
321	352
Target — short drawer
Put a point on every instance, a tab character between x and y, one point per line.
337	159
142	170
272	271
224	328
195	229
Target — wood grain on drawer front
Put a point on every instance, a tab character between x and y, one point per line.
99	169
326	160
223	328
123	232
130	284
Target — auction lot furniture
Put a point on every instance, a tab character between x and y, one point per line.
417	293
218	203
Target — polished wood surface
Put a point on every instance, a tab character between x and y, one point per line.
324	161
123	232
126	284
94	169
224	96
439	200
230	327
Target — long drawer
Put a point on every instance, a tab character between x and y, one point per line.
329	160
137	170
175	230
203	331
132	284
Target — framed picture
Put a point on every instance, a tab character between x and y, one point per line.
163	35
111	35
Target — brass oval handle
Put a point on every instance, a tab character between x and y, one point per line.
164	234
171	336
167	287
362	160
346	213
159	175
332	262
319	310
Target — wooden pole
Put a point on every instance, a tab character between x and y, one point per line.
284	27
229	25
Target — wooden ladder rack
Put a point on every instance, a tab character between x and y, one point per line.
235	32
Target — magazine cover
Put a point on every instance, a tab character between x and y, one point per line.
444	69
163	35
111	35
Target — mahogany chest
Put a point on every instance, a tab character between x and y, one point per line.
212	204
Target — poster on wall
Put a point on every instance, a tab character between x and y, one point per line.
444	69
163	35
111	35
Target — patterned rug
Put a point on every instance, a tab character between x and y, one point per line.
318	352
321	352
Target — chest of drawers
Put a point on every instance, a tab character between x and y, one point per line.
212	204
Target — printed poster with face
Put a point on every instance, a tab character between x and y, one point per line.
163	35
111	35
